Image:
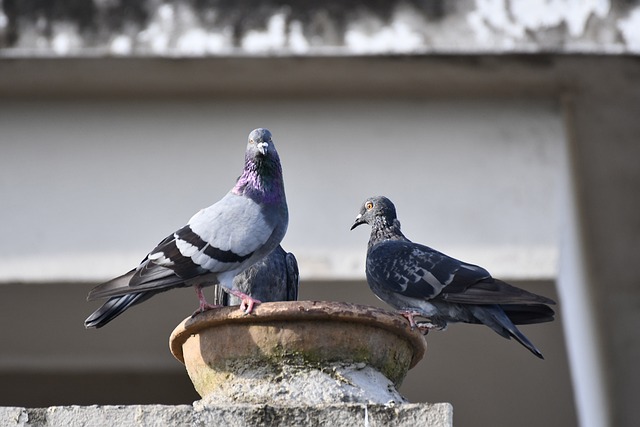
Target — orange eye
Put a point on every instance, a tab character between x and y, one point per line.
368	205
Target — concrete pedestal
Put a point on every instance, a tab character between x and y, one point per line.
298	353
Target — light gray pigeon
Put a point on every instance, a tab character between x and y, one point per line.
420	281
217	243
273	278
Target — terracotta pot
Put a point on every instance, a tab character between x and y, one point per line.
229	353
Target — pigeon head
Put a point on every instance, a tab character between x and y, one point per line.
261	179
377	211
259	143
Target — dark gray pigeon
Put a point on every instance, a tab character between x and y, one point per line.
217	243
273	278
420	281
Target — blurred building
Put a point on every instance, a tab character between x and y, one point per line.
505	132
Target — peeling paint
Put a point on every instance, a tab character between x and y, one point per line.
66	39
491	15
401	35
121	45
630	29
541	14
297	40
273	38
514	19
208	28
157	35
197	42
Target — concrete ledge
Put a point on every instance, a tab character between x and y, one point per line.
423	414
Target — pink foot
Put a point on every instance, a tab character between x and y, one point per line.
247	302
409	315
204	305
423	327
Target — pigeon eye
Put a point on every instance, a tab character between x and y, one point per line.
368	205
251	141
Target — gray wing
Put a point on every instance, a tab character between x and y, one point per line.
219	238
415	270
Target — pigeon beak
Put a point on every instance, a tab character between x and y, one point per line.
357	222
262	147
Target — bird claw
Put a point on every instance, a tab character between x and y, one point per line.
409	314
425	327
248	303
204	307
422	327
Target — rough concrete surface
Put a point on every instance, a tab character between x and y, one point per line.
193	29
355	383
423	414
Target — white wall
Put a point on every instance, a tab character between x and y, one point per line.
88	187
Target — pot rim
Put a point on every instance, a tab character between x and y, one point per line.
300	311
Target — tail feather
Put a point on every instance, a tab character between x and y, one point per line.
494	317
526	314
114	307
492	291
161	279
106	288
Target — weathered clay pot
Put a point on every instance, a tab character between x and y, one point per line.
298	350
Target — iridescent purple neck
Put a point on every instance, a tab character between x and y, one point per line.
261	181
